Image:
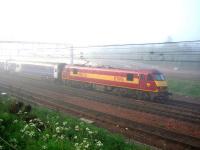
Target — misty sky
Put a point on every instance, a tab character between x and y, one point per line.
95	22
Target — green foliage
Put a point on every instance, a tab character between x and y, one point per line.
61	132
184	87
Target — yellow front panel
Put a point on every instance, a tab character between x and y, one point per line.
161	83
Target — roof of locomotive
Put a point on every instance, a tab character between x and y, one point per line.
138	71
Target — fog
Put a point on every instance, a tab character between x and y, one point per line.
54	31
89	22
171	57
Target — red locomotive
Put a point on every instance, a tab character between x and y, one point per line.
142	84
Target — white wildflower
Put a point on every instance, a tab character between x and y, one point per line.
75	137
58	129
76	128
47	136
32	124
54	136
25	127
3	93
19	112
66	128
87	145
99	144
41	123
32	133
44	147
15	121
27	132
62	137
37	120
64	123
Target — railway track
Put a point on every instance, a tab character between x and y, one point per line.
180	114
149	107
171	103
135	130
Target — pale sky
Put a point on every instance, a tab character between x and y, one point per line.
96	22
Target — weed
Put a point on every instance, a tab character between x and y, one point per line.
45	129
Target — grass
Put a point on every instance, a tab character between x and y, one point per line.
184	87
61	132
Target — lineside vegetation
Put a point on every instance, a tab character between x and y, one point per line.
24	127
184	87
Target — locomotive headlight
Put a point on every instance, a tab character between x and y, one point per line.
148	84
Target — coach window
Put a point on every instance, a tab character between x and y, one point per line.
129	77
75	71
149	77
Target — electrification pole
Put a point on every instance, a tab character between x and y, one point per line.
72	55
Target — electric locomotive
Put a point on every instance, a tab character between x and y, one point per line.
141	84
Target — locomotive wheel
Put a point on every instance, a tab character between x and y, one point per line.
87	86
151	96
146	96
116	91
138	95
108	88
142	95
123	92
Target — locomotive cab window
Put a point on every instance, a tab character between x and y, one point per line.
75	71
129	77
142	77
149	77
159	77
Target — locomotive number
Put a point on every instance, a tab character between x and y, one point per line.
82	75
117	78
